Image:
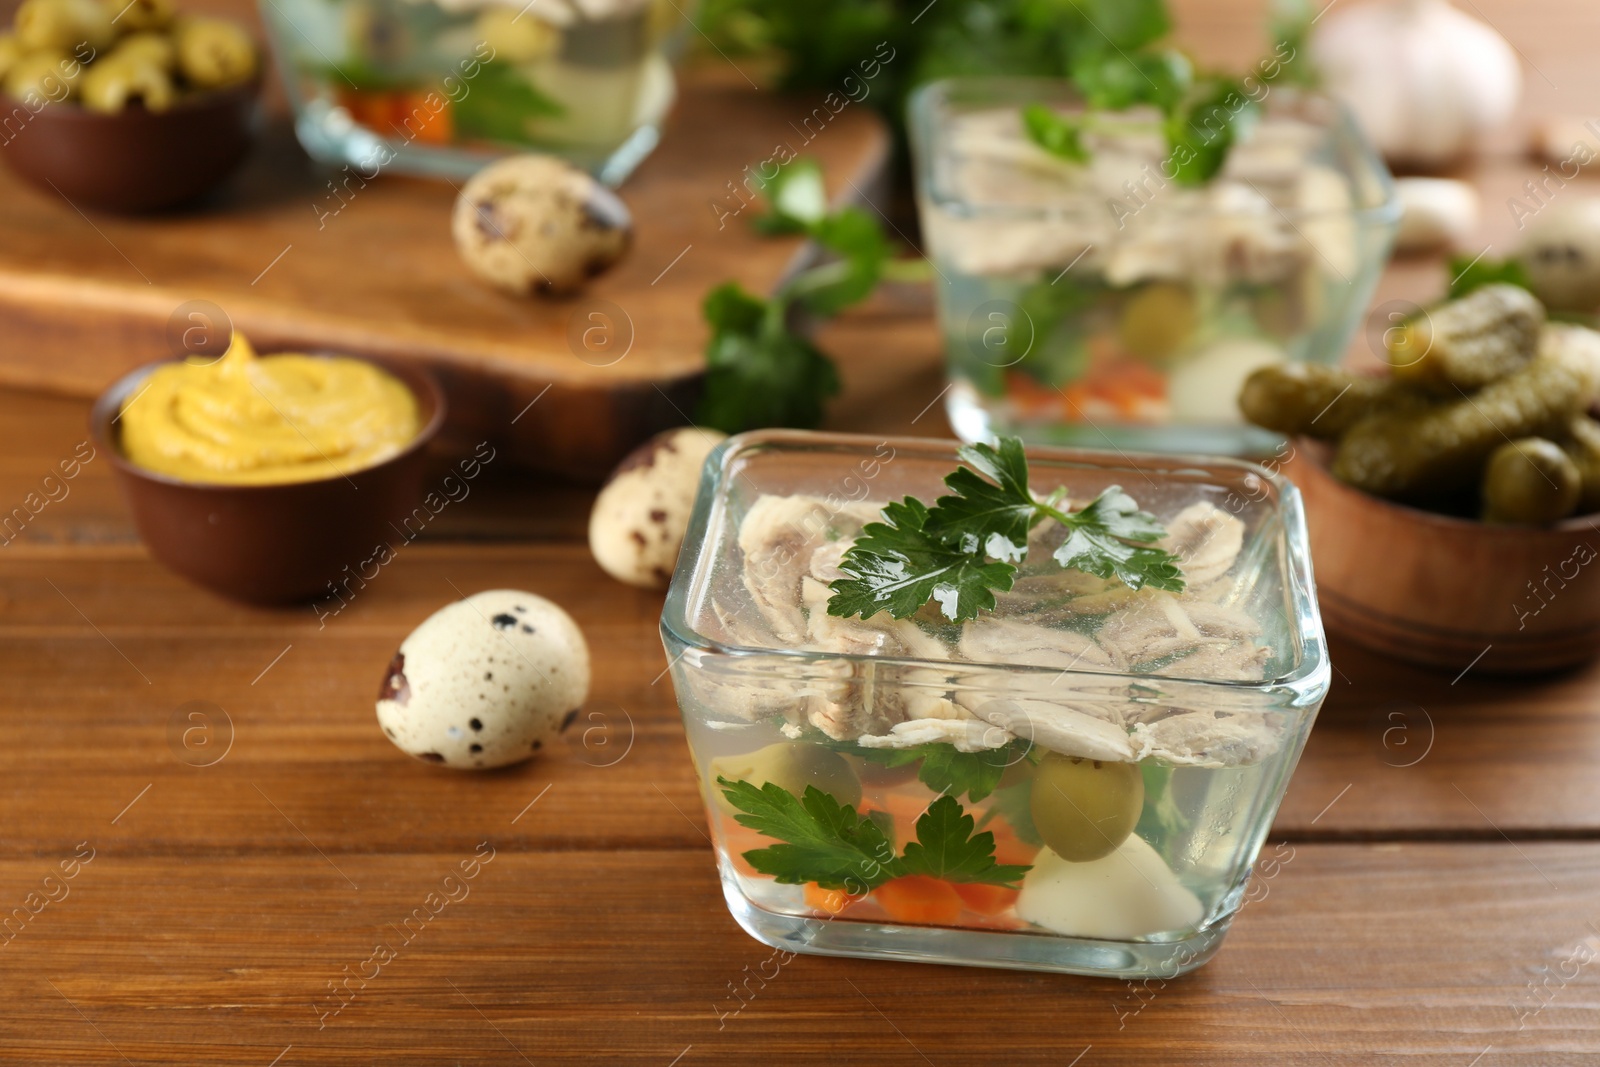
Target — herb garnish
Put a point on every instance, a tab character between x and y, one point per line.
946	769
826	842
962	549
760	370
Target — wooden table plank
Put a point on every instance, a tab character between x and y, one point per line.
1472	759
1351	954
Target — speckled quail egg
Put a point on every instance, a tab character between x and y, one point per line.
535	223
639	518
486	681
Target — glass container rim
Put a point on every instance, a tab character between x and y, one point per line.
922	110
1308	681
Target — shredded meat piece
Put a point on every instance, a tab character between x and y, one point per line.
1206	541
779	536
1209	738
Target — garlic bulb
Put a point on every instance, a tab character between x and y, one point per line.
1424	80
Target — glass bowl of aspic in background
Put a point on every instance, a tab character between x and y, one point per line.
443	86
1104	303
1077	779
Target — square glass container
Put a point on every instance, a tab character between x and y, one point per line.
1104	303
1148	737
441	87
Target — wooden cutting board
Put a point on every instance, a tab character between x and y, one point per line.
302	256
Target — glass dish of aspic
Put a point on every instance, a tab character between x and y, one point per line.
1111	303
1011	709
443	86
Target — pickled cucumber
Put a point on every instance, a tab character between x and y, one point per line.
792	765
1468	343
1321	402
1582	444
1440	452
1530	481
1083	808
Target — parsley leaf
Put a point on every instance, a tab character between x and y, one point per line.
947	848
758	372
1468	274
826	842
1098	543
919	554
1054	132
797	197
897	566
1200	132
823	841
944	768
1003	507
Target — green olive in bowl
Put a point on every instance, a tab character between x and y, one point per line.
213	53
1084	808
149	47
136	15
113	84
65	25
52	76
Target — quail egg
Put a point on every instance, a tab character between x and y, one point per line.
486	681
535	223
640	516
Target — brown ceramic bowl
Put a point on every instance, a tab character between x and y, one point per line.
1448	592
272	544
134	160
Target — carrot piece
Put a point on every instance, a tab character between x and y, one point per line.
985	899
741	839
369	108
832	901
424	116
916	898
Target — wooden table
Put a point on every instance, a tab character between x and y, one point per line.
1427	896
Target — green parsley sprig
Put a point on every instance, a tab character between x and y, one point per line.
826	842
761	370
947	770
1118	62
964	548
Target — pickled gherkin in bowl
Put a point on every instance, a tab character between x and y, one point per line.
989	707
1485	411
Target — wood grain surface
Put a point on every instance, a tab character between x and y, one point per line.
1426	896
301	257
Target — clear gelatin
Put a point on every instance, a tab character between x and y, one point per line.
440	86
1105	303
1078	781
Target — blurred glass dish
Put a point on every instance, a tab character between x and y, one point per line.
1126	750
1103	303
443	86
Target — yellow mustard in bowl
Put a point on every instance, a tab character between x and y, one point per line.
249	420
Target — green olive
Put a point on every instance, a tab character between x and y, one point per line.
113	84
132	16
792	765
1530	480
51	76
516	37
213	53
376	35
1083	808
64	25
146	47
10	52
1158	320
